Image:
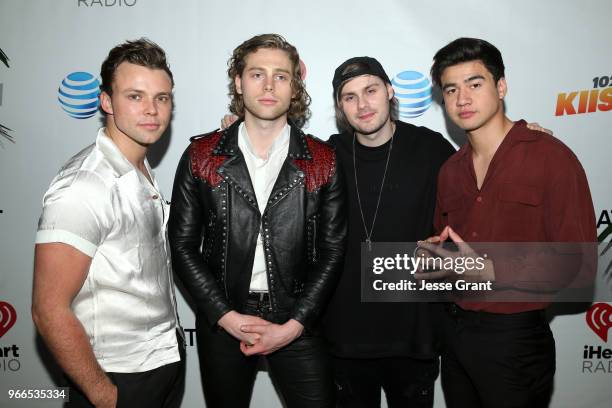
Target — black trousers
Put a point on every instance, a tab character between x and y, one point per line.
301	371
407	382
162	387
496	360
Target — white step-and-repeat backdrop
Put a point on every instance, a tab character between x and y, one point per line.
559	71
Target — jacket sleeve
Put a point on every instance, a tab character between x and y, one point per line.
331	236
186	229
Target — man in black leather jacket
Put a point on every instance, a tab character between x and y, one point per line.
257	229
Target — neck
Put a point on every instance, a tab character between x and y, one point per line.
378	138
134	152
486	139
262	132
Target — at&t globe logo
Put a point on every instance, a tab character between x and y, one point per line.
413	91
78	95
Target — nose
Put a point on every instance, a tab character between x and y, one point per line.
150	107
463	97
362	103
269	84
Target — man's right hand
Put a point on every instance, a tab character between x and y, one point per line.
232	321
228	120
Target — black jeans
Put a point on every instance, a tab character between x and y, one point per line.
407	382
497	360
301	370
162	387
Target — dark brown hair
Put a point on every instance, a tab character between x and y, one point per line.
143	52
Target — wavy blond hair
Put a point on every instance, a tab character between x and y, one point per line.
298	113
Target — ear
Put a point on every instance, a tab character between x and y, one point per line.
105	103
502	88
238	84
390	91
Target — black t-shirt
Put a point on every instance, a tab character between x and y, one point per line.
368	330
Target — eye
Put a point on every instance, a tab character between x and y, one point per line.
476	85
134	97
164	98
348	98
371	91
257	75
281	77
449	91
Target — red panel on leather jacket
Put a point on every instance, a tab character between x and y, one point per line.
321	167
204	164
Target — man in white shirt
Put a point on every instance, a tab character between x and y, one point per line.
257	231
103	296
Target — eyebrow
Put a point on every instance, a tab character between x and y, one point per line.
275	70
140	91
470	79
377	85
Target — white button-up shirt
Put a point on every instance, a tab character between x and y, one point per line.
264	173
100	204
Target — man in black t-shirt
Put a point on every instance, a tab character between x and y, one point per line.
391	171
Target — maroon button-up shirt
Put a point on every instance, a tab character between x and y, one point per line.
535	190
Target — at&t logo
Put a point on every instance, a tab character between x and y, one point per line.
78	95
9	355
413	91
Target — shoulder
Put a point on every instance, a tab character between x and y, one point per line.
204	144
319	145
86	175
423	135
423	143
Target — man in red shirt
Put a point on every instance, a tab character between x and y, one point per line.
507	184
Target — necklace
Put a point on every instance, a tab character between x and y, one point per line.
382	184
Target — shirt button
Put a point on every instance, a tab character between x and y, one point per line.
155	197
479	199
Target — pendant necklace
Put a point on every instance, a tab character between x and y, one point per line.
368	234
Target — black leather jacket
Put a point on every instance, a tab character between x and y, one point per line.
214	224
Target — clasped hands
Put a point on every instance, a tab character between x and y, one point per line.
257	335
434	245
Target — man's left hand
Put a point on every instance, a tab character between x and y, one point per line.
538	127
435	247
272	336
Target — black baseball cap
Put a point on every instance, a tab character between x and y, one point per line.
366	66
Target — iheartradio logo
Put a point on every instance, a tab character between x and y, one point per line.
8	317
599	319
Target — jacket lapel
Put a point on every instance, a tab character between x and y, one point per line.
290	175
234	170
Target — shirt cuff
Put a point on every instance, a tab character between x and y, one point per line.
66	237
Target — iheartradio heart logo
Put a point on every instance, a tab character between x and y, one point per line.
599	319
8	317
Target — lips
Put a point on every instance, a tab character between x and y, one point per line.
366	116
267	101
150	126
466	114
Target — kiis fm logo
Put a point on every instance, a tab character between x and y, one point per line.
9	355
598	359
589	100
